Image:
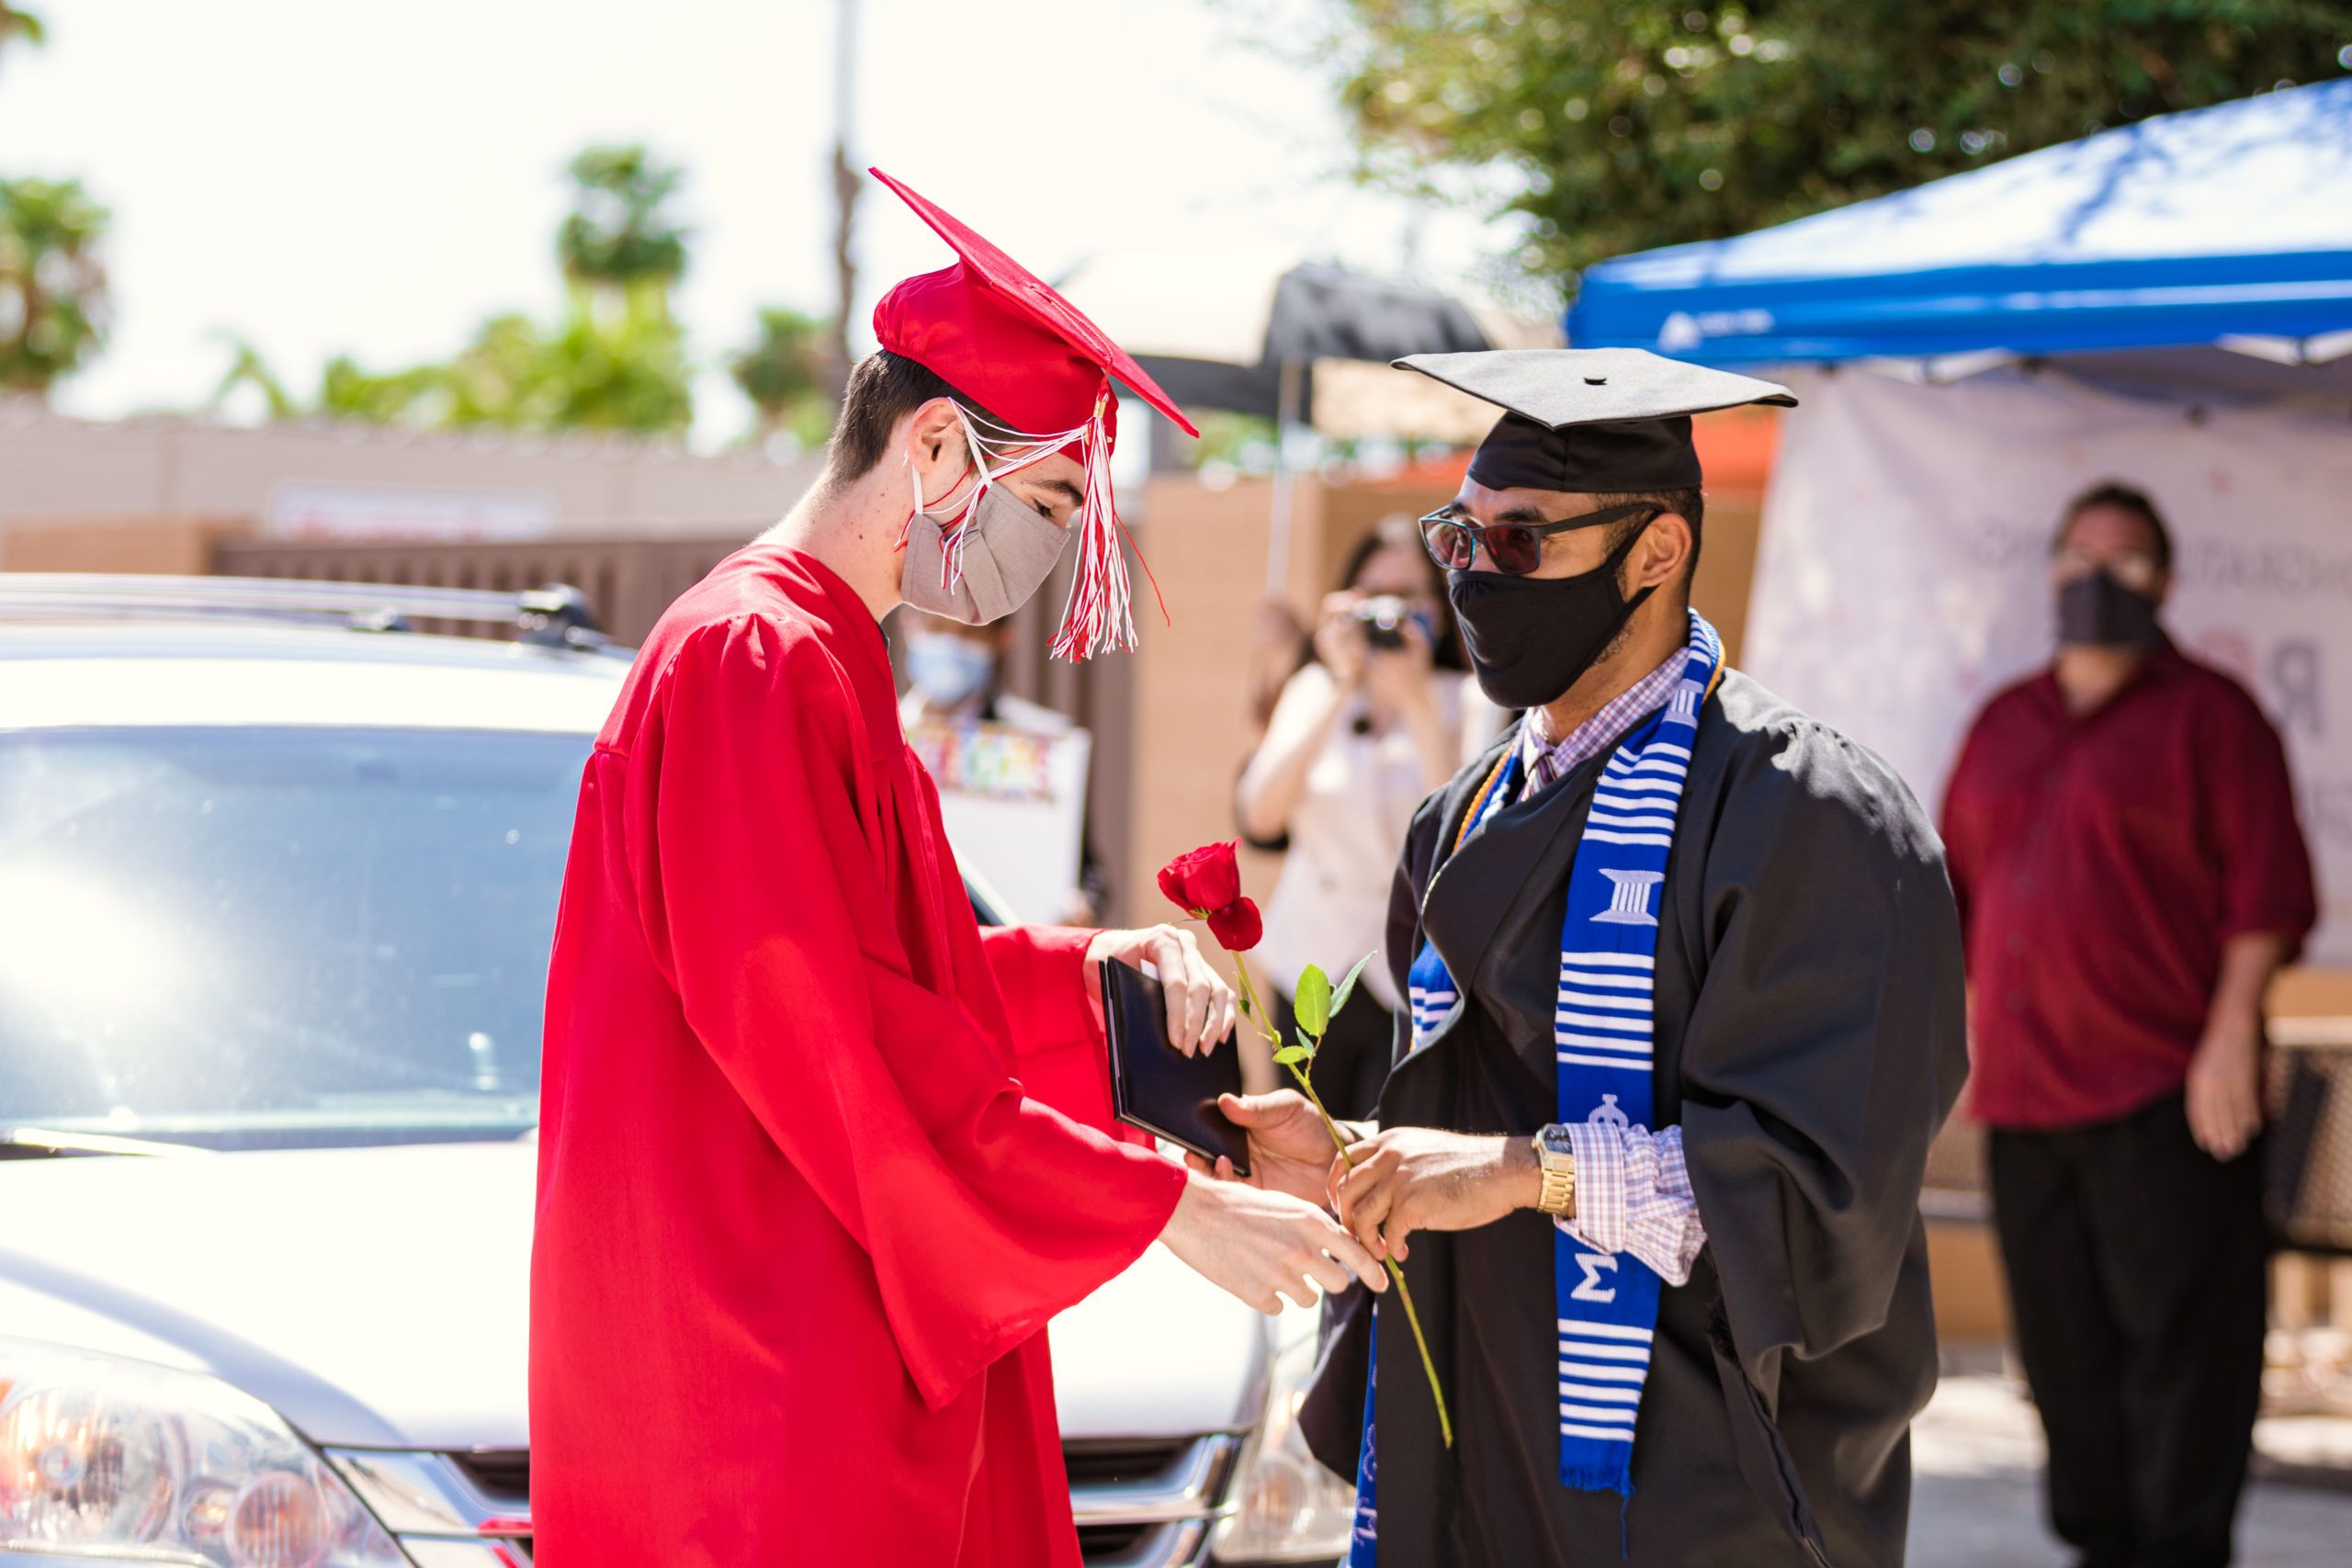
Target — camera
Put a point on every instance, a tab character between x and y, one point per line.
1383	617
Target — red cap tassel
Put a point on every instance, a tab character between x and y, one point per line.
1098	616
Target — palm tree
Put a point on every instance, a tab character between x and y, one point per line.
52	284
617	235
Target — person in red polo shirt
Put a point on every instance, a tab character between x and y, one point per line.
2122	839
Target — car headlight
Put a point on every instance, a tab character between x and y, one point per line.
1291	1508
120	1459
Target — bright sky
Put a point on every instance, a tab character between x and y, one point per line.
324	176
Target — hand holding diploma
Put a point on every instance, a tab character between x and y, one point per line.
1289	1151
1201	1009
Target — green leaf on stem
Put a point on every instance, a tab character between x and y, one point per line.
1313	1005
1290	1053
1308	1044
1348	987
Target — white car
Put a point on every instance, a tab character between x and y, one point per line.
278	878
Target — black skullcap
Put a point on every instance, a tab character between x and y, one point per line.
1590	421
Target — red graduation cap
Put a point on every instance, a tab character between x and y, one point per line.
998	334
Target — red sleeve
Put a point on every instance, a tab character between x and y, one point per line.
1056	1025
2265	868
984	1211
1057	1032
1041	970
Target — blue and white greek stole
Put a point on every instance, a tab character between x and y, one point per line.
1606	1303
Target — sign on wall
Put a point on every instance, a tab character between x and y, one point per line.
301	509
1013	802
1902	578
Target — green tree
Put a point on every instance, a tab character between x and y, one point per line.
590	371
52	282
1612	126
617	359
784	372
415	396
620	234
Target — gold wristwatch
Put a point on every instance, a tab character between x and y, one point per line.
1553	1152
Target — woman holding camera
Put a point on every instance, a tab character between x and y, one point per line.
1379	715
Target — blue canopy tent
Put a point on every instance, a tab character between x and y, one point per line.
2208	251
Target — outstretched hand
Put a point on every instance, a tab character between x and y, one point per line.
1289	1150
1265	1246
1409	1179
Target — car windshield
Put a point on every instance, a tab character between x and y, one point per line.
251	937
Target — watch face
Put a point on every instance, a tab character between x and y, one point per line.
1555	1140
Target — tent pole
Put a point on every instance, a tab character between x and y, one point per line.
1286	402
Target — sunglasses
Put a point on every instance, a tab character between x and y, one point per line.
1516	549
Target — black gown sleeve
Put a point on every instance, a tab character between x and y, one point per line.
1825	1043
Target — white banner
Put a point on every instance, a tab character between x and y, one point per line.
1902	576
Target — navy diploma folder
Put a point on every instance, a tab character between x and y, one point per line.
1156	1087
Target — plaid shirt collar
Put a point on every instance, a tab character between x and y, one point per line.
1545	763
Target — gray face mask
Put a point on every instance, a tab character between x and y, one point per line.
1010	554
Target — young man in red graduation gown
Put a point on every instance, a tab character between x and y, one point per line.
818	1159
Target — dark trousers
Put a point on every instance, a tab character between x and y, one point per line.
2137	1267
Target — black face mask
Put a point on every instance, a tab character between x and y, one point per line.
1531	637
2097	610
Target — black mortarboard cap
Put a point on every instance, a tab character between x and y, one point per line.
1590	420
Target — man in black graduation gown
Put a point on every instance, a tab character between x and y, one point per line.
1805	1045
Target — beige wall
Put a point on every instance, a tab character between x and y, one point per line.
1207	551
54	470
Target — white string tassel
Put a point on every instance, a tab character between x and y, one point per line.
983	445
1098	615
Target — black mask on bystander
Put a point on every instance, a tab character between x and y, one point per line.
2097	610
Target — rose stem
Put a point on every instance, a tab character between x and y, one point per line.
1396	1274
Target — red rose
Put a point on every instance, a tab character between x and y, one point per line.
1206	885
1204	880
1236	927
